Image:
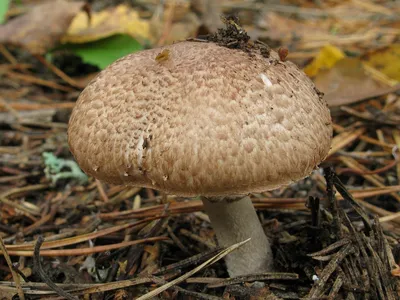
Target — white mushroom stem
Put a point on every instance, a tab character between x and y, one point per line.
235	221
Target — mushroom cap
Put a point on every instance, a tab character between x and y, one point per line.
200	119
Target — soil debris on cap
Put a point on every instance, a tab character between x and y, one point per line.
234	36
283	53
163	55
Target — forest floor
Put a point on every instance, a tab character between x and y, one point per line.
335	234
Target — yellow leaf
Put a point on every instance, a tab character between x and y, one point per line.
121	19
385	60
327	57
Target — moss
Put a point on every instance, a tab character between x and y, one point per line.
59	168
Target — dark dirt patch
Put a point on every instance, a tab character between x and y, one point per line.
234	36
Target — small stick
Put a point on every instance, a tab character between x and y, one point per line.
330	175
254	277
315	212
102	193
195	259
43	275
15	267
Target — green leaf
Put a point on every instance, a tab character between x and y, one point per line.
4	4
103	52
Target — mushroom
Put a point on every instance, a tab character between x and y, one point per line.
200	119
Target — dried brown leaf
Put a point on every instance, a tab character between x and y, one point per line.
121	19
346	82
41	28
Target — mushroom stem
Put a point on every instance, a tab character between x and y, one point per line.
235	221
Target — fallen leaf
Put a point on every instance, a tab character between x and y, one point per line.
121	19
385	60
103	52
3	9
346	82
327	57
41	28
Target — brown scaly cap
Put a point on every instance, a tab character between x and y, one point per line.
196	118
